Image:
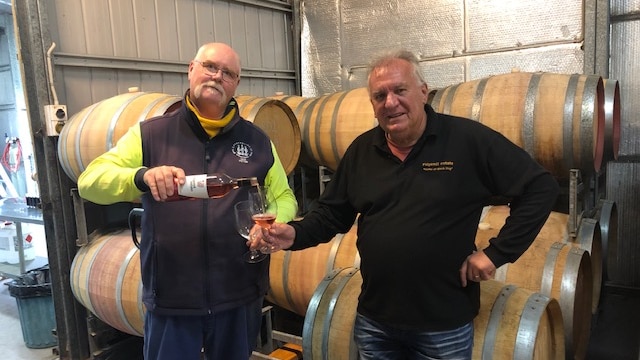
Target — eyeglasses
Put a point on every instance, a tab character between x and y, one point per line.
213	69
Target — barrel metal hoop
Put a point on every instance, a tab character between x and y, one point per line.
549	268
604	217
495	316
529	114
79	133
610	90
116	117
326	327
299	106
306	128
567	297
243	104
309	319
528	327
588	115
285	278
333	252
257	107
586	233
141	309
611	110
334	125
123	269
90	269
437	98
607	216
161	110
449	100
567	121
143	114
318	124
477	100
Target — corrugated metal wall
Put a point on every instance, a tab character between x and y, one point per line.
105	47
623	176
462	40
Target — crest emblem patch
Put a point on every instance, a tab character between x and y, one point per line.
242	150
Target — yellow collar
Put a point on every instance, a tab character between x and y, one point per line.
212	126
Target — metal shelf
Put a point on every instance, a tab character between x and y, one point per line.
17	211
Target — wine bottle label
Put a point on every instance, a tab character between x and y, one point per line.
194	186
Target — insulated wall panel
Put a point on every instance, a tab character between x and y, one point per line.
623	187
625	46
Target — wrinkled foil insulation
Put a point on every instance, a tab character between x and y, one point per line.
456	40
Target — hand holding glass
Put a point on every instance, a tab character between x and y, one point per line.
244	211
257	210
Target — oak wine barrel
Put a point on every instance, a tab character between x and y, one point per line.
295	275
589	238
298	105
97	128
552	266
513	322
557	118
328	324
612	112
516	323
331	122
606	214
105	278
278	121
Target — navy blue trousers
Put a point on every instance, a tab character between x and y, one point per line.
228	335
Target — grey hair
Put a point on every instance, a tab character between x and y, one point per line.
391	55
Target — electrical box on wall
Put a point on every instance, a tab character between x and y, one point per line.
55	118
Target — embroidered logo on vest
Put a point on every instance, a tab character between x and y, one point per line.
242	150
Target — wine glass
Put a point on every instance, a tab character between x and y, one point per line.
265	206
244	212
266	210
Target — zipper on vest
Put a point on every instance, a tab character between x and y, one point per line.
205	236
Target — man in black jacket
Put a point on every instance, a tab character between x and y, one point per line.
419	182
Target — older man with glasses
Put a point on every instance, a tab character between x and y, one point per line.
199	293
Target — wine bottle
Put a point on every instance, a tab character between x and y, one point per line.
209	186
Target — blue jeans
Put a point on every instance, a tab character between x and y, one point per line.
380	342
229	335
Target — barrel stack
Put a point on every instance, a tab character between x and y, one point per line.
564	121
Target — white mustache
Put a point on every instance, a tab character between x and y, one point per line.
214	84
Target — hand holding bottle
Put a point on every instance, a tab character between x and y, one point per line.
169	183
162	181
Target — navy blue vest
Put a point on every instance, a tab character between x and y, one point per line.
190	251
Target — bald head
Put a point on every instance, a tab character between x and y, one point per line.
220	50
214	76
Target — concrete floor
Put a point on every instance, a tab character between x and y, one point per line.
615	329
12	344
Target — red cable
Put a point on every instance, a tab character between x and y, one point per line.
5	156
